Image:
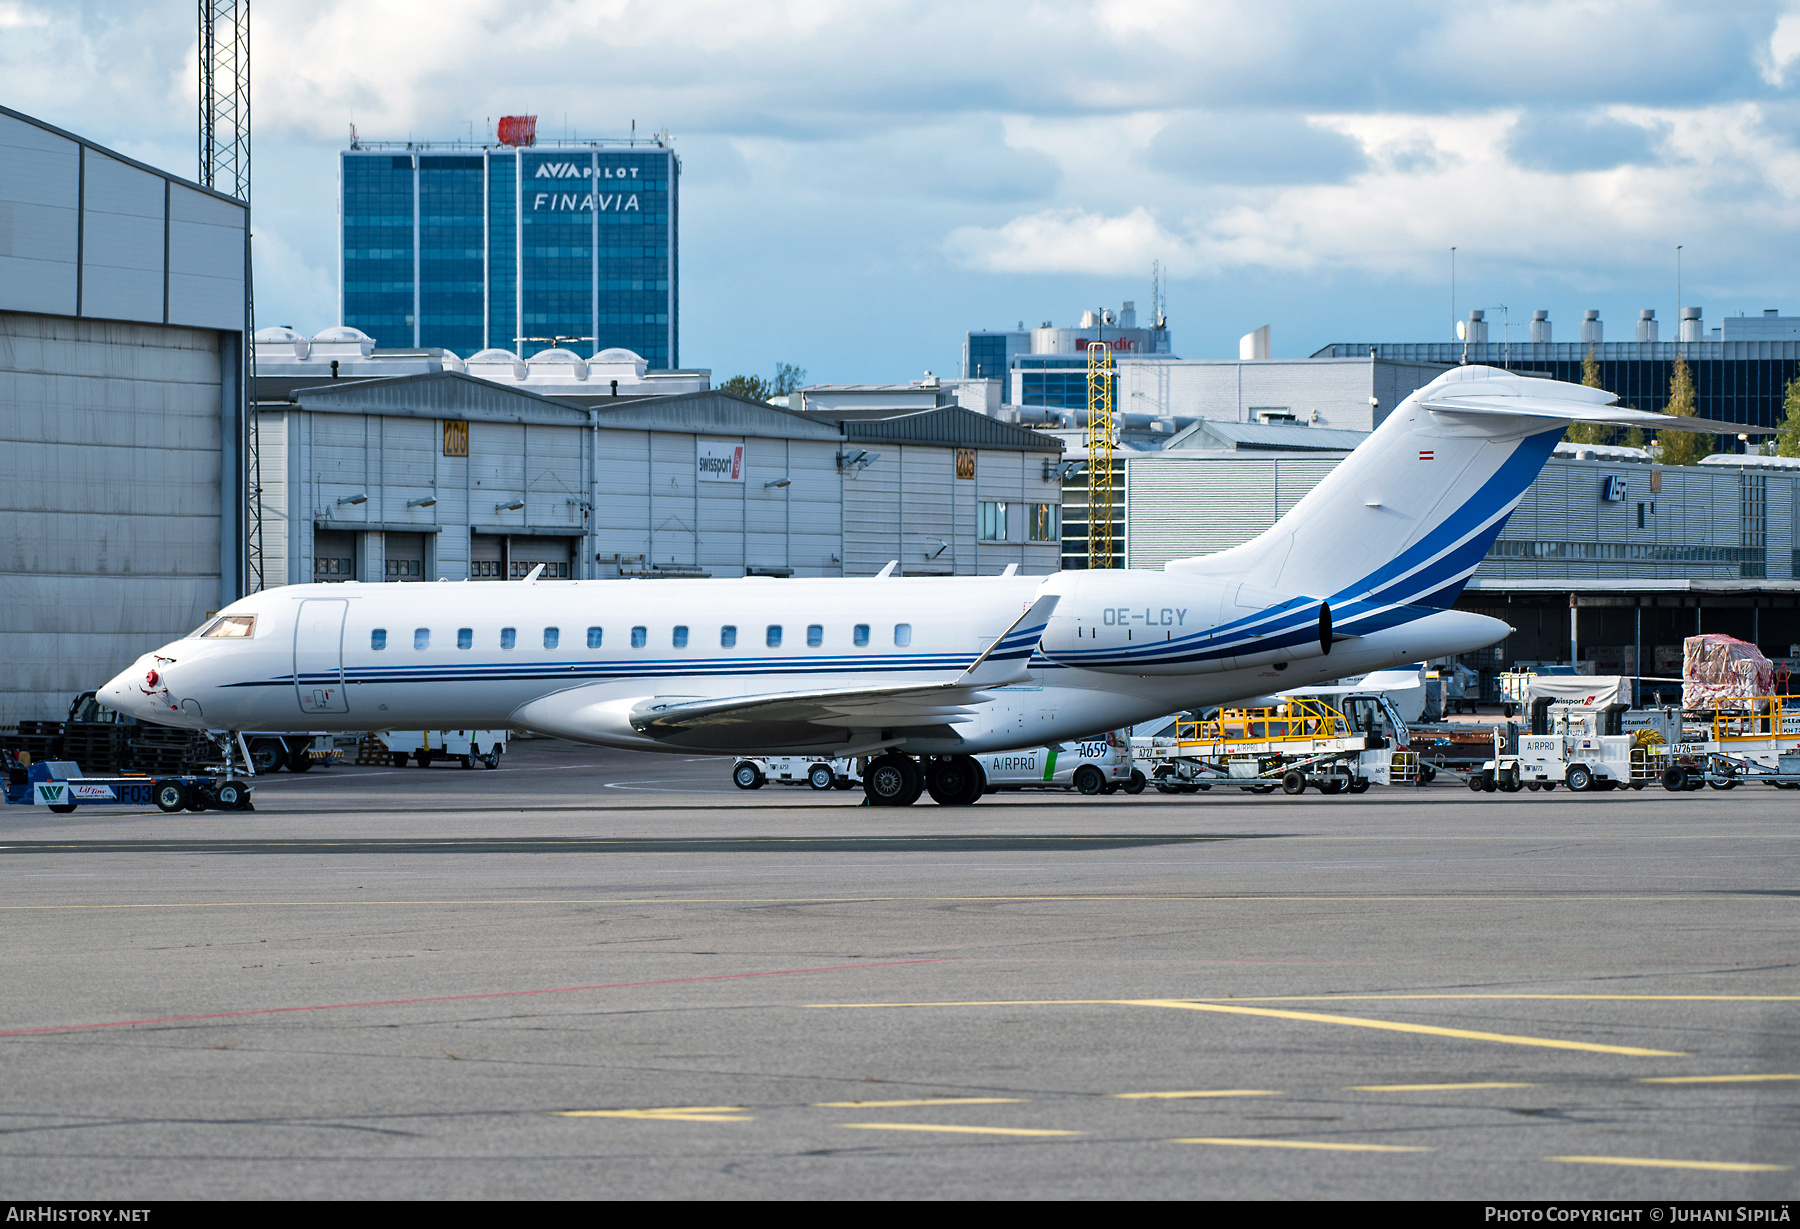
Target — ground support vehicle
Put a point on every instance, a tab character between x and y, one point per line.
816	772
297	752
1294	744
1094	766
464	746
61	786
1726	747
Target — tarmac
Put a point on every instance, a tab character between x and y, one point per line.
594	974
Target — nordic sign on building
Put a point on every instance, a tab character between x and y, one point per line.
720	461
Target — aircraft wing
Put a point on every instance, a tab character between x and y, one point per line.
863	708
1585	411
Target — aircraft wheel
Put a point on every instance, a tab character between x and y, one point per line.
1089	780
956	781
1579	777
1293	781
893	781
747	775
1137	782
299	761
267	755
820	776
170	796
232	795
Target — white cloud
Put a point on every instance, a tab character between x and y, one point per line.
1783	48
1066	241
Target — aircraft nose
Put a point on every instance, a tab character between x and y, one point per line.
126	691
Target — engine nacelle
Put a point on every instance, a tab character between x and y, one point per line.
1160	623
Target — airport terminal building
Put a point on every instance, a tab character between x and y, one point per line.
471	247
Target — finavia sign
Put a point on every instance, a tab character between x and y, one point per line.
575	202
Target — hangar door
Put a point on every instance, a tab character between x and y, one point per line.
494	556
319	656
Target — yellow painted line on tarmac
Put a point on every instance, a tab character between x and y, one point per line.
1650	1162
1182	1096
950	1130
1431	1087
1575	998
884	1105
1309	1017
673	1113
1430	1030
1715	1079
1305	1144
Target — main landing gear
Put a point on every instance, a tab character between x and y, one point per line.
895	780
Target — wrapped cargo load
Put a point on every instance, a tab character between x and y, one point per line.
1723	674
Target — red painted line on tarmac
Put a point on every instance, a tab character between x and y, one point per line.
460	998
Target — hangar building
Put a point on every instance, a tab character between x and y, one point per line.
440	473
122	319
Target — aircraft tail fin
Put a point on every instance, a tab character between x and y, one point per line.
1406	517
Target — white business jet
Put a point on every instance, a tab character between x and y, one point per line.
918	674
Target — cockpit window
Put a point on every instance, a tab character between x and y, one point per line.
231	627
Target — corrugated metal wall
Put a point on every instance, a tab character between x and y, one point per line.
109	500
1182	507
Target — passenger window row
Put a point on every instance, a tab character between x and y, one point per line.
640	636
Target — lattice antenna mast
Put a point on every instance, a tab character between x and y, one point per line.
1100	446
224	132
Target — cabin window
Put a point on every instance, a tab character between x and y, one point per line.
903	634
815	635
728	637
378	638
680	637
509	636
860	636
552	637
465	637
593	637
773	636
639	637
421	637
231	627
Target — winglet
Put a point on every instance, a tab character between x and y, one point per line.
1005	659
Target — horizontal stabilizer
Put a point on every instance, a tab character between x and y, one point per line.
1584	411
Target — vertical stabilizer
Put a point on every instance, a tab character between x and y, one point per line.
1405	518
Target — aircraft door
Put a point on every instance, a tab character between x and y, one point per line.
319	656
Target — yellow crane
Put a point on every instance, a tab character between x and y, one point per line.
1100	445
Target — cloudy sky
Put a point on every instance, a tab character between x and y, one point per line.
865	180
